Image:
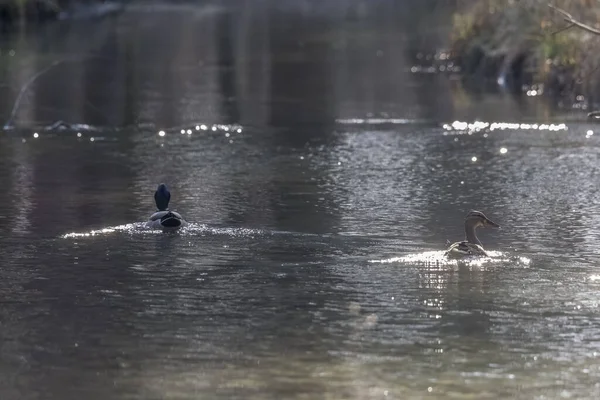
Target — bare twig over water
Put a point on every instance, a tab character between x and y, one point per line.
569	18
563	29
9	122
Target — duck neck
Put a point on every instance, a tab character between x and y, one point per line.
470	234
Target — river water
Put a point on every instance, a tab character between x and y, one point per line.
322	171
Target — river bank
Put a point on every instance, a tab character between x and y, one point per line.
30	13
530	46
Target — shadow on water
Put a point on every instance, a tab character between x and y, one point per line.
300	144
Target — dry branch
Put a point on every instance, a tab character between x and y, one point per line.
9	123
563	29
569	18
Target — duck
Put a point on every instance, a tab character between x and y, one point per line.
471	246
164	218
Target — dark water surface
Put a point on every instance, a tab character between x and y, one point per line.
321	184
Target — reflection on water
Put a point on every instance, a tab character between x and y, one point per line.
321	178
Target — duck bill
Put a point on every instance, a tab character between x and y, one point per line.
492	223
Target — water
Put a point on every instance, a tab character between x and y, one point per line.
312	267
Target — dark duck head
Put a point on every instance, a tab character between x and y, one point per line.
162	196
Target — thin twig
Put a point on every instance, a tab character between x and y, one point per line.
569	18
98	110
9	123
588	74
563	29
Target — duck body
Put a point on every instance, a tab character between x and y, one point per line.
164	218
471	246
464	248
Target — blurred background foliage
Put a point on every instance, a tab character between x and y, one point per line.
527	41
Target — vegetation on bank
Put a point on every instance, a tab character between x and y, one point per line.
529	42
13	12
18	13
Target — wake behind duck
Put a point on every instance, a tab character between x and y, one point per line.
164	218
469	251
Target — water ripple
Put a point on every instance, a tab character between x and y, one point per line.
190	229
439	258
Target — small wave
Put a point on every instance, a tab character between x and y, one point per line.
380	121
427	257
190	229
468	128
199	127
127	228
59	126
234	232
594	278
65	126
439	258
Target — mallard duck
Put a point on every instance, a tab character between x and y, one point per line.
163	218
471	246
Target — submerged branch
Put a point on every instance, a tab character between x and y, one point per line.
9	122
569	18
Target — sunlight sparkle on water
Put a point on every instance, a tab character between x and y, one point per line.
375	121
104	231
439	258
190	229
427	257
200	127
463	127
